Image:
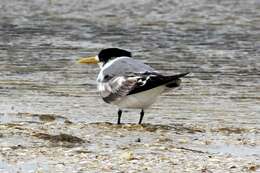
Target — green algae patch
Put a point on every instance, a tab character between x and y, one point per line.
228	130
47	117
59	138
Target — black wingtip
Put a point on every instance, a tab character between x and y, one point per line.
181	75
175	80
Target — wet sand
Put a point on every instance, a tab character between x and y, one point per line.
50	143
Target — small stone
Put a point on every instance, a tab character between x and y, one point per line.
67	122
129	155
47	117
138	140
254	167
183	141
207	142
232	167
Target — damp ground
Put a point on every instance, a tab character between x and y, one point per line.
53	120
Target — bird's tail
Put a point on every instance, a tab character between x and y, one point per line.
175	80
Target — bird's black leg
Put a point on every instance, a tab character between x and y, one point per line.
141	116
119	116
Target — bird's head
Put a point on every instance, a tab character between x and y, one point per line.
104	56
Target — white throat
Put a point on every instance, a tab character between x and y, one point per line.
100	64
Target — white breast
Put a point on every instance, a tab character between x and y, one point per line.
140	100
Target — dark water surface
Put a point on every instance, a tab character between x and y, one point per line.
217	41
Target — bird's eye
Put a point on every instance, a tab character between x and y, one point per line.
106	77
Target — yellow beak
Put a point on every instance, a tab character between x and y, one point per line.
88	60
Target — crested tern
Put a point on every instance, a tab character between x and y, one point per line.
129	83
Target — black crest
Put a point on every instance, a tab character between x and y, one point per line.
106	54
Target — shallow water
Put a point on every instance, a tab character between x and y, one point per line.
217	41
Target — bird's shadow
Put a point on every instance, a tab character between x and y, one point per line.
178	128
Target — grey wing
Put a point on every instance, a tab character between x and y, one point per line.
117	87
120	76
121	86
123	66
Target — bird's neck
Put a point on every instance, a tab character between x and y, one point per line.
101	65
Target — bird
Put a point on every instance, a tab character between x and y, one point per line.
129	83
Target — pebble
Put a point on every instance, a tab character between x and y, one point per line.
138	140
